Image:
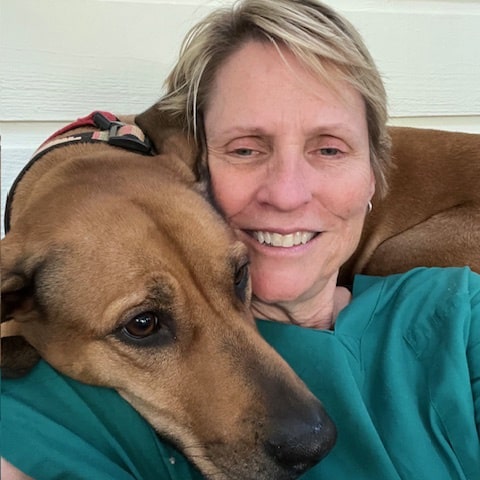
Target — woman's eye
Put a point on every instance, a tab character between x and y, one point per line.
142	325
330	151
244	152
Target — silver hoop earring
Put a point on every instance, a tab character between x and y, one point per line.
369	207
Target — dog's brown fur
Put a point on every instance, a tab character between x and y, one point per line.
431	213
100	235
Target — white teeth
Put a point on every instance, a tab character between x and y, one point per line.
279	240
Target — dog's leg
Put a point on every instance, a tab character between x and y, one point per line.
421	246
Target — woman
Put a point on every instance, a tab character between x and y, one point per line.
290	112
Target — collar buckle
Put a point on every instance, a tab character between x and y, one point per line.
122	135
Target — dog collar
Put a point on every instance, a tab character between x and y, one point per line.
108	129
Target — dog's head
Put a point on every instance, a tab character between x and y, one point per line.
118	272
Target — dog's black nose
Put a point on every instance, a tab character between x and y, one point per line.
299	442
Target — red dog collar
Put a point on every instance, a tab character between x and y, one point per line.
87	121
110	130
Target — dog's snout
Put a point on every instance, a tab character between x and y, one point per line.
301	439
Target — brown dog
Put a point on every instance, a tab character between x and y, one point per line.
117	269
431	213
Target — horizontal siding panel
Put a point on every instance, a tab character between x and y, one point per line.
430	62
62	58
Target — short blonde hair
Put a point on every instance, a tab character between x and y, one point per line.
318	36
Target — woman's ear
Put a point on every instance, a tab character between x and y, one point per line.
373	183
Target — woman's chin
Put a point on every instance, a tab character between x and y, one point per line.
278	291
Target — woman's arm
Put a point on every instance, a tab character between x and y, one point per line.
55	427
9	472
473	348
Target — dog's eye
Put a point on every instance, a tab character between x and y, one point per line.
241	281
142	325
148	328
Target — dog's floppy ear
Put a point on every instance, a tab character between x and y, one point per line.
168	135
18	307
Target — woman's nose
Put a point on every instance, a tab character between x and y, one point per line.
287	183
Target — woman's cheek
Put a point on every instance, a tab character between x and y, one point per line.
355	193
230	190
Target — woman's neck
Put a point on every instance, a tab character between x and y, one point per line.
319	311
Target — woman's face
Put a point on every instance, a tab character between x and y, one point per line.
290	168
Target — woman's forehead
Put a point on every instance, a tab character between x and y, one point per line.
259	83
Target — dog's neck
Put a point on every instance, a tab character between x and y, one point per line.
96	127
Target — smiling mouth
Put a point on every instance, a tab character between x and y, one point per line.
274	239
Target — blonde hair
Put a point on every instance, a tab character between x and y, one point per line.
318	36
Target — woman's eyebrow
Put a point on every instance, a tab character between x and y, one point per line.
324	129
332	129
243	131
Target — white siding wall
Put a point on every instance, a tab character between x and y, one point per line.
61	59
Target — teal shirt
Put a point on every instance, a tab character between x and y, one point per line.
400	376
